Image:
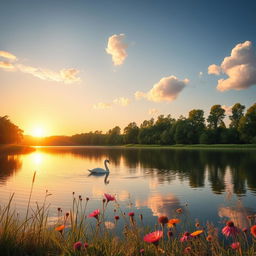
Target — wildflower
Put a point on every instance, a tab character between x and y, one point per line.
245	230
153	237
77	246
60	228
179	210
163	220
142	251
116	217
104	200
59	209
80	197
109	197
141	217
95	214
196	233
209	238
173	222
230	229
187	250
235	245
253	230
186	236
197	225
169	234
87	198
67	214
131	214
86	245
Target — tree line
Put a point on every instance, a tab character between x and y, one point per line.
164	130
194	129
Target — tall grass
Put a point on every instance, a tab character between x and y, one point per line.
74	234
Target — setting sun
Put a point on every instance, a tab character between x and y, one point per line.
38	132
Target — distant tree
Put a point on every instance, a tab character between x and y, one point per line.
247	125
114	136
207	137
182	131
216	116
131	132
146	133
9	132
237	114
197	122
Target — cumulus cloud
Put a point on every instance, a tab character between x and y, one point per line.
117	48
7	55
152	111
63	75
214	69
122	101
240	67
102	105
167	89
228	109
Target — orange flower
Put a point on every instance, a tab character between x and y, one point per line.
179	210
60	228
197	233
253	230
173	222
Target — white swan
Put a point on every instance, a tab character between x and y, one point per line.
100	170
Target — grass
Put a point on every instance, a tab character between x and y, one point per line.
197	146
73	233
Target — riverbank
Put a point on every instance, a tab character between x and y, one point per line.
14	148
197	146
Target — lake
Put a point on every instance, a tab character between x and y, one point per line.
208	185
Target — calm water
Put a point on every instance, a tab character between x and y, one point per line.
216	185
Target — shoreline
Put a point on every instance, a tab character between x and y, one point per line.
14	148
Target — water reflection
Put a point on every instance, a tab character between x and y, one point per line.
9	164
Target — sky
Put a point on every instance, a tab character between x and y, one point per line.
74	66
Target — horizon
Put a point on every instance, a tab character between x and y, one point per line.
71	68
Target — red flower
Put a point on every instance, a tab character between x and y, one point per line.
86	245
253	230
153	237
131	214
95	214
235	246
163	220
230	229
116	217
77	246
109	197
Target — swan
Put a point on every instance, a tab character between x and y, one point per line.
100	170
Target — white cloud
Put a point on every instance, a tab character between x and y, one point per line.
7	55
167	89
117	48
122	101
240	67
200	74
6	65
228	109
63	75
152	111
102	105
214	70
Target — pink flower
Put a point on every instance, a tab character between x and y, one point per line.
187	250
230	229
109	197
142	251
86	245
186	236
77	246
95	214
153	237
235	245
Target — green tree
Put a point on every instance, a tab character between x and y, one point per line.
247	125
216	116
237	114
114	136
9	132
131	132
197	122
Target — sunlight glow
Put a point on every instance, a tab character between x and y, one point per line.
38	132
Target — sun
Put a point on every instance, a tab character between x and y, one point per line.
38	132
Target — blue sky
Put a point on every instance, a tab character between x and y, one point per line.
163	39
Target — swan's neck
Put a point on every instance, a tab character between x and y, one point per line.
105	163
